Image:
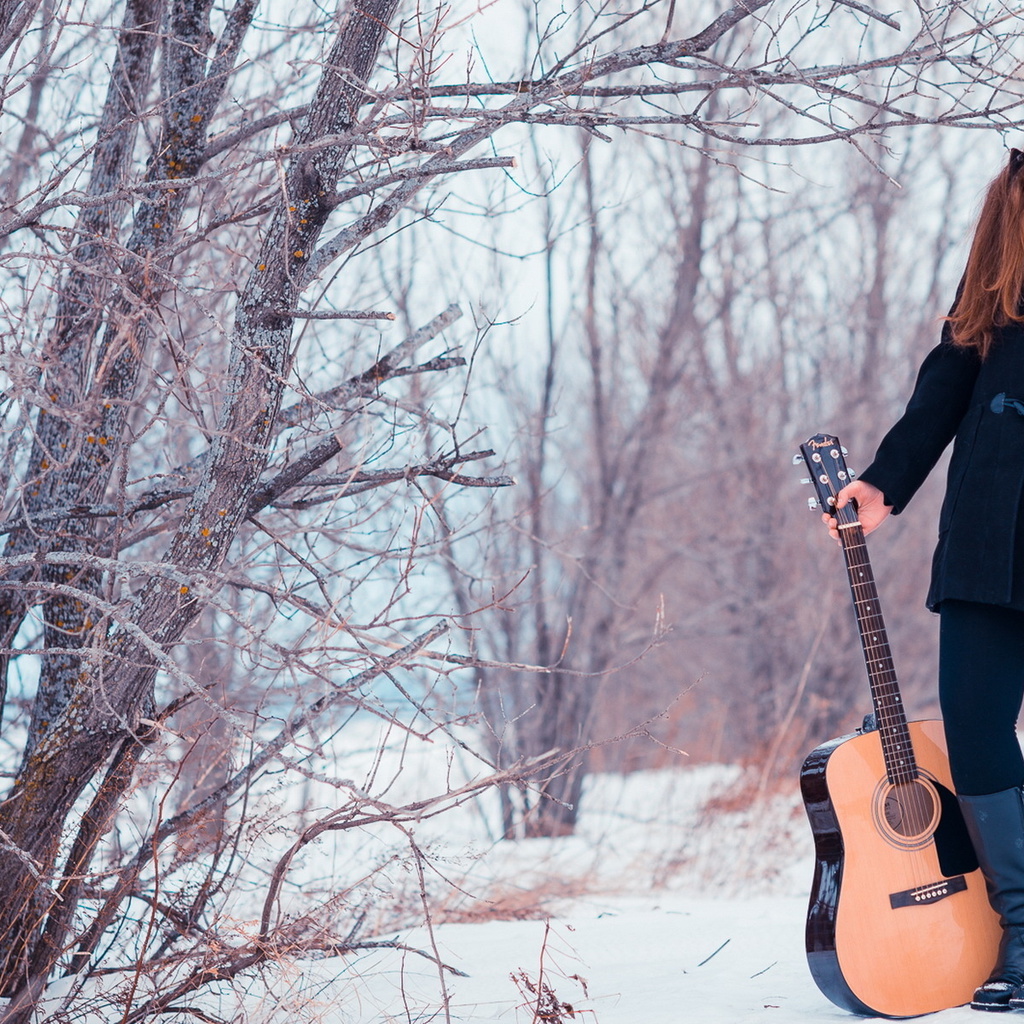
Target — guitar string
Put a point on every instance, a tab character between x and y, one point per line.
870	624
910	793
874	639
902	769
875	643
880	669
913	867
904	772
888	704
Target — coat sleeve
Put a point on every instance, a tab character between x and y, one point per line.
939	401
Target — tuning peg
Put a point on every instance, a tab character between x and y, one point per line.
812	503
806	480
852	475
797	459
843	449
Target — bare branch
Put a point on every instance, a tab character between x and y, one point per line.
367	382
341	314
864	9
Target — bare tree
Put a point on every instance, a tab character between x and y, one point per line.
694	343
188	425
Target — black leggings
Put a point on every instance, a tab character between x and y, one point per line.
981	683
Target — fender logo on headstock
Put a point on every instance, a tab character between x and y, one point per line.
824	442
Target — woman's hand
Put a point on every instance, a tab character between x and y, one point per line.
871	507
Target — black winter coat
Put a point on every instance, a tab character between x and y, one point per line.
980	553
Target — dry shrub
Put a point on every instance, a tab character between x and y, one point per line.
546	1007
506	902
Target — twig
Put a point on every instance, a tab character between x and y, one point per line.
883	18
716	952
30	863
367	382
355	483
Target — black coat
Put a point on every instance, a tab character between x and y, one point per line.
980	553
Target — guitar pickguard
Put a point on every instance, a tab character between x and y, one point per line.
952	843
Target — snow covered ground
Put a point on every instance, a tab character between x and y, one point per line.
661	959
680	900
658	911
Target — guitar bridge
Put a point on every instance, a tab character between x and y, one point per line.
927	893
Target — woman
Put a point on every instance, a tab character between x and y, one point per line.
971	387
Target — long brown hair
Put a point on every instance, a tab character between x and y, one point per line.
993	284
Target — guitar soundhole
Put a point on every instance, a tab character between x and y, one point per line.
909	811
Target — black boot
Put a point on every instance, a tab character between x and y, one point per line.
995	822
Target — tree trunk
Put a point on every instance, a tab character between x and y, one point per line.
113	690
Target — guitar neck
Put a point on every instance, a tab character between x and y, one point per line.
885	692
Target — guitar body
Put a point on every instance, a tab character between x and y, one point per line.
899	923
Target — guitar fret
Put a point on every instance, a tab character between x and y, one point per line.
872	645
889	712
823	455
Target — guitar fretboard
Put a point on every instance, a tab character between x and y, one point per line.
900	765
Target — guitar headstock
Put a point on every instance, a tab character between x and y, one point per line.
824	457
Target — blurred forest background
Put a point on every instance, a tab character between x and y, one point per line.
441	368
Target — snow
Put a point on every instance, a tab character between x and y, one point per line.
653	960
660	910
680	899
656	960
622	960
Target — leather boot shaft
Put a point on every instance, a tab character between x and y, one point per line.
995	823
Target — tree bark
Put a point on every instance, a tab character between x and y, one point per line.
59	470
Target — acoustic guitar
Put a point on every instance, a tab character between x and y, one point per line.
899	923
